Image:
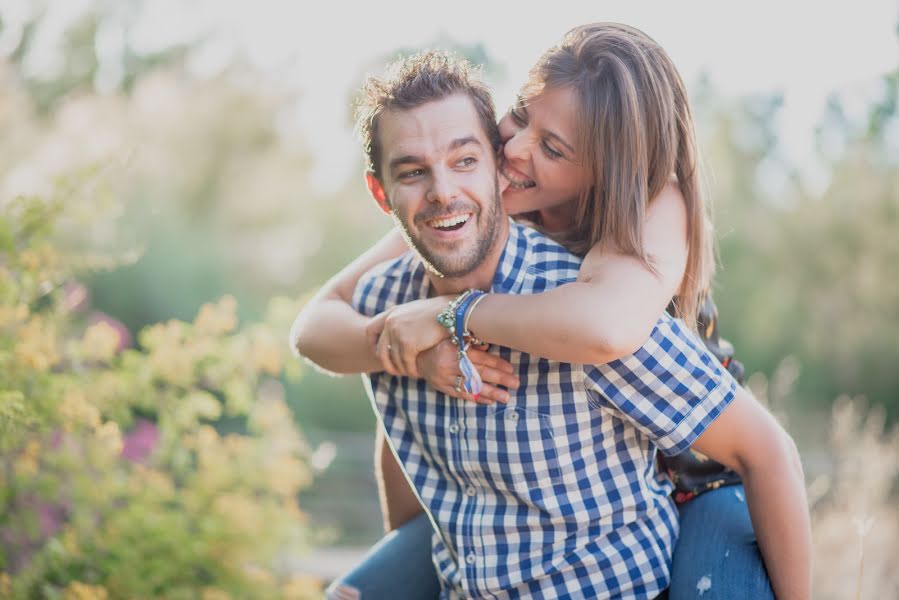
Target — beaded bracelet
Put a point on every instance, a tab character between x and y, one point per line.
465	331
463	309
456	314
447	317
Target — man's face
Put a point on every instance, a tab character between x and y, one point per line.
439	179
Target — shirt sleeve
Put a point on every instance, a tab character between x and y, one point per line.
383	286
365	296
671	389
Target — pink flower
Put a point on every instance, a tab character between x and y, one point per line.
140	441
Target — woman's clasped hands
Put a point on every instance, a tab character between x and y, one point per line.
410	342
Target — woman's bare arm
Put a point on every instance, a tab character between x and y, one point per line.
746	438
610	311
606	314
328	332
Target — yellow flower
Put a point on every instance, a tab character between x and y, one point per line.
144	480
268	354
216	319
83	591
27	461
241	512
214	468
286	475
172	364
101	341
13	314
48	256
70	541
30	260
301	587
37	345
204	405
110	437
210	593
259	575
76	410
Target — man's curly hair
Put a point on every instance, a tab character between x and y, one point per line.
416	80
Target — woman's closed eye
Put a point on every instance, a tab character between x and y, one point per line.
551	152
519	116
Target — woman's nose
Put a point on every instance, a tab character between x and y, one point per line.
516	147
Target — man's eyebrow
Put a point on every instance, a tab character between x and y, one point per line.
408	159
404	160
459	142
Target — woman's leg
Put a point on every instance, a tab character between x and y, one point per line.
716	554
398	566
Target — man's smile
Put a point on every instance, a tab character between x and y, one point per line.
450	223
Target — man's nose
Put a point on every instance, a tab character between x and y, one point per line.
443	188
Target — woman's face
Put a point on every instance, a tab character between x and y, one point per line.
542	160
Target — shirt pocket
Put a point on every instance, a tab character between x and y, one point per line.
519	450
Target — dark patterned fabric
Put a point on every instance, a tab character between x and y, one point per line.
692	472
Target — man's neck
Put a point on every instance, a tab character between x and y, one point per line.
482	277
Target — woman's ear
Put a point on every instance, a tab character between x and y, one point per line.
376	189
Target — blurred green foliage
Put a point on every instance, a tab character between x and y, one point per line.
811	274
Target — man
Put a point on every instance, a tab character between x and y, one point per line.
554	494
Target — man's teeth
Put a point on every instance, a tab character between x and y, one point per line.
450	221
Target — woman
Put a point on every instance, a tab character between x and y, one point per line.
600	153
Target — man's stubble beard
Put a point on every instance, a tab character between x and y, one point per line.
438	265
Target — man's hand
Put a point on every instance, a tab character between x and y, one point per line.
406	330
440	367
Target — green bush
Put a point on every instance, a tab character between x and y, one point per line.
205	513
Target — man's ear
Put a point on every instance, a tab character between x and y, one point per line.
376	189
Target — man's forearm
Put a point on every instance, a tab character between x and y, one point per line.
775	493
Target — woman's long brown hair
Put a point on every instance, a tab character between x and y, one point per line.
636	132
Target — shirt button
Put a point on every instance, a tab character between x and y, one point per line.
470	491
514	416
471	559
454	428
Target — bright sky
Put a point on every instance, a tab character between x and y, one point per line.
803	49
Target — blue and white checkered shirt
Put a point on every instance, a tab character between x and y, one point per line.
555	494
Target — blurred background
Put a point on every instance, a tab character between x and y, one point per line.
224	130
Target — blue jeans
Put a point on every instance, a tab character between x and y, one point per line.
716	557
397	567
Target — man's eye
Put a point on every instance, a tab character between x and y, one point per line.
518	116
410	174
467	161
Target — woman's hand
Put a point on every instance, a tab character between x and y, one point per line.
439	365
401	333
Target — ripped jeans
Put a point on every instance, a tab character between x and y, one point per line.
716	557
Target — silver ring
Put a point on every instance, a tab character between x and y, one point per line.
459	380
389	347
